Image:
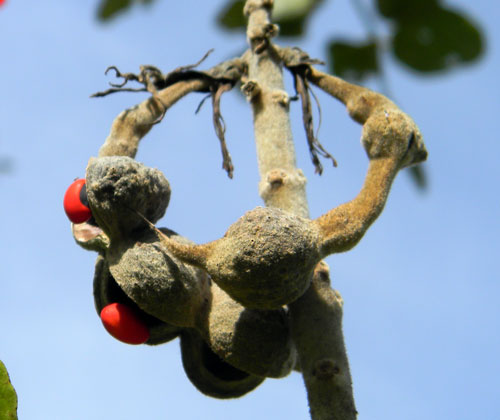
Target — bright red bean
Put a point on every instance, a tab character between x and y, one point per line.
75	202
123	324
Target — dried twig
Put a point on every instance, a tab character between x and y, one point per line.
153	79
315	147
216	81
216	92
220	126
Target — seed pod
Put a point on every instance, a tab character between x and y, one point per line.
107	291
253	340
148	276
265	259
117	184
392	133
209	373
157	281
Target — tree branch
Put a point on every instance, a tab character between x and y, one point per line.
317	331
131	125
134	123
316	315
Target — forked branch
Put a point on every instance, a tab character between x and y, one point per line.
134	123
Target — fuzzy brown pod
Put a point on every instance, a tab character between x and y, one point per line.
156	280
390	133
264	261
107	291
236	348
253	340
143	273
209	373
116	184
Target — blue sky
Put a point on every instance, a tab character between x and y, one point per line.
421	290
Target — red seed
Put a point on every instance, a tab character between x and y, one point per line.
76	211
124	324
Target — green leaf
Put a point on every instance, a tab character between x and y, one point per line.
292	26
442	40
231	17
109	9
8	396
408	9
290	15
353	61
418	176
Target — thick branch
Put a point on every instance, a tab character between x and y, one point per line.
316	315
360	101
392	141
317	331
282	184
134	123
342	227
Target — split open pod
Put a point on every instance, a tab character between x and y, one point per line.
171	296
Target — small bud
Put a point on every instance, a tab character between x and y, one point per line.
251	89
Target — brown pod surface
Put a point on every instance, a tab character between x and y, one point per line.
117	187
253	340
390	133
107	291
266	258
209	373
157	281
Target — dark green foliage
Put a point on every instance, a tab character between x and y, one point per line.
231	17
110	8
293	26
426	37
439	41
406	10
353	61
429	38
8	396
